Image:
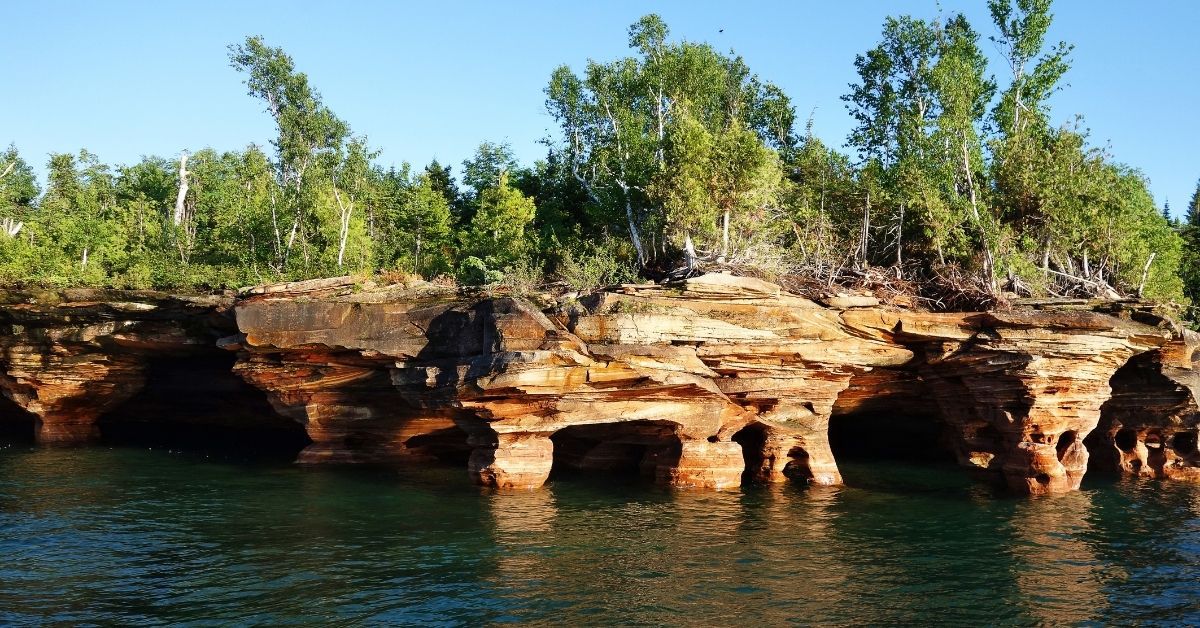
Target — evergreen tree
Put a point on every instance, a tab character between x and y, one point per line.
441	179
497	238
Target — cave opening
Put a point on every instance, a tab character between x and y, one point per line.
753	440
447	446
1156	452
1186	444
1065	441
194	402
1126	439
896	436
1126	420
16	424
624	450
896	451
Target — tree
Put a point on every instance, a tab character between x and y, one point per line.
617	120
74	222
497	237
480	173
425	228
963	90
821	201
143	195
1192	213
442	180
710	181
895	106
1022	26
351	186
310	137
1189	267
233	195
18	190
1020	117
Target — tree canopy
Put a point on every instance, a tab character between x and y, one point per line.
670	159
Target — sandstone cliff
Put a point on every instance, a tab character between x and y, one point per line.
703	383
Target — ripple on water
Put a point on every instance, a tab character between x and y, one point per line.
133	537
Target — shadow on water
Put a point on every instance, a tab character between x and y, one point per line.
901	454
197	404
120	535
16	425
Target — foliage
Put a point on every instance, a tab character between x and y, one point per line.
593	265
670	159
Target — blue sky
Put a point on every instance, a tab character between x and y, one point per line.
433	79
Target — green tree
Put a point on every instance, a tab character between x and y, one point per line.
75	227
963	90
308	146
442	180
233	195
617	119
425	228
821	201
1189	266
895	106
18	191
497	238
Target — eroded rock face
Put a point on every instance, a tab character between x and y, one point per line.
1019	390
672	382
1149	425
665	379
70	357
705	383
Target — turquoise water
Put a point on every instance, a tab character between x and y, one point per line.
137	536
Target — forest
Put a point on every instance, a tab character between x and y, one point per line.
955	185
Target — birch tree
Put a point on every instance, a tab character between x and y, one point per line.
18	191
310	137
617	119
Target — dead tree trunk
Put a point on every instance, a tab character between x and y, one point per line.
343	224
989	258
864	236
178	216
724	236
1145	274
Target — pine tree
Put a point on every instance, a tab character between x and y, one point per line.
1192	215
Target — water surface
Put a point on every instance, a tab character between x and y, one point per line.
147	536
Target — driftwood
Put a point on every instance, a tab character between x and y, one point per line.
1106	290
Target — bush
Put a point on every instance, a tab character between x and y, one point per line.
597	264
473	271
522	278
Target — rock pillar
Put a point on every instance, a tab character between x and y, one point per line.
782	455
702	464
1024	413
1151	425
69	390
513	461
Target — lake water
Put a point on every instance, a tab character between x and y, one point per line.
139	536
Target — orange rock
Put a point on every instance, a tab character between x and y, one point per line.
699	383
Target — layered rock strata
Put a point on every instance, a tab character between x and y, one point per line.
1019	390
703	383
70	357
1149	426
678	382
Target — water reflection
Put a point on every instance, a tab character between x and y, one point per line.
134	536
1059	577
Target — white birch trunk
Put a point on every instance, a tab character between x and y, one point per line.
180	198
989	260
1145	274
343	225
724	236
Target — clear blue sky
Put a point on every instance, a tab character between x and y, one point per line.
433	79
